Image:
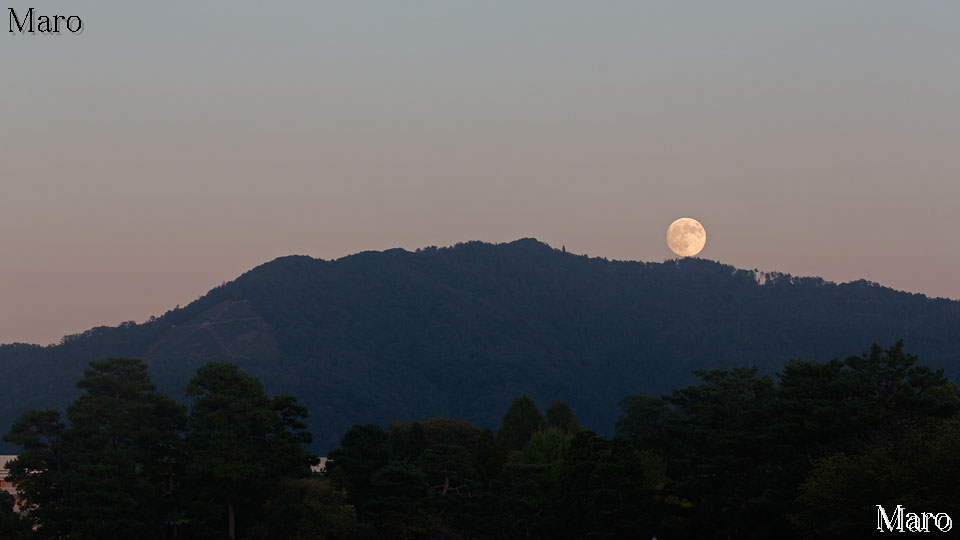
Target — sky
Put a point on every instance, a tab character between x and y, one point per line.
174	145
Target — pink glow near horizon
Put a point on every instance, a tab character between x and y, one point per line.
144	164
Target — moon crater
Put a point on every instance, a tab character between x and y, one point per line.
686	237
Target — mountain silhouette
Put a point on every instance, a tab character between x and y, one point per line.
458	332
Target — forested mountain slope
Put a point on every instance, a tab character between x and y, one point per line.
459	332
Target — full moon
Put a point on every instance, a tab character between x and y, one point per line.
686	237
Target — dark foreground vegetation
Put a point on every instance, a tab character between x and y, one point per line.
808	454
130	463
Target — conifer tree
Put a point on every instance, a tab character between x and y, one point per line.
112	472
242	444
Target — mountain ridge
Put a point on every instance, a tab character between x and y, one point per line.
458	331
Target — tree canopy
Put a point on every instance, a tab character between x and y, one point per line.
130	463
805	454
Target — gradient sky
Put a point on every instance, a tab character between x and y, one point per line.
174	145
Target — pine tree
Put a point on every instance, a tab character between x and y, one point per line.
242	445
111	472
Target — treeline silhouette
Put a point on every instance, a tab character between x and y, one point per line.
458	332
129	462
806	454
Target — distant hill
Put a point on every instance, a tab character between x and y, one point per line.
458	332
